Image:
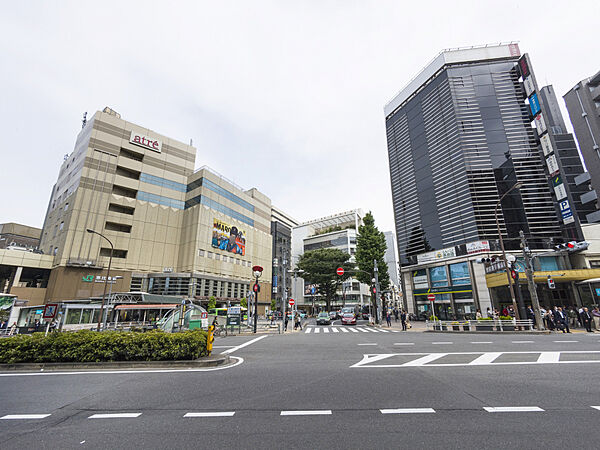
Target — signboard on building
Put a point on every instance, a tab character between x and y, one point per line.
528	84
559	187
99	279
552	165
540	124
566	212
437	255
228	238
145	141
478	247
546	144
534	104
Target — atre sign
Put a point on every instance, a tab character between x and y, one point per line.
146	142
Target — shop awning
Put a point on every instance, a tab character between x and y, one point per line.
147	306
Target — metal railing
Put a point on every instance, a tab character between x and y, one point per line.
480	325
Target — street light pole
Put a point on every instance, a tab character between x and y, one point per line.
517	185
89	230
257	273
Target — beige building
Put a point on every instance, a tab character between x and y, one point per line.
175	231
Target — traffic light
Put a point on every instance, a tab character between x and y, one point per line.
514	273
489	260
256	287
374	290
550	282
572	246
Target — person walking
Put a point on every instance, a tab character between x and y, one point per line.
12	329
489	314
285	324
563	320
586	319
395	314
403	318
388	318
596	316
478	315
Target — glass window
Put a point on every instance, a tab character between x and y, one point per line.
86	316
420	279
459	274
73	316
438	276
548	263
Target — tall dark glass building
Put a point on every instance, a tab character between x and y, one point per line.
459	137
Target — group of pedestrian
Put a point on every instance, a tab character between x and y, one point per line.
399	314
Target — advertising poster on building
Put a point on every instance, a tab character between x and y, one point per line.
534	104
528	84
546	144
559	187
228	238
478	247
540	124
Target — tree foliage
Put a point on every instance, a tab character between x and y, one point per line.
371	246
212	302
320	267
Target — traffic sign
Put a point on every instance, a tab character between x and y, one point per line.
431	297
256	287
340	271
292	302
50	311
204	315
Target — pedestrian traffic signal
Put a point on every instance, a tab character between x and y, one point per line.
572	246
374	290
514	274
551	282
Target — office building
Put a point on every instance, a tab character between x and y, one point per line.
175	230
281	231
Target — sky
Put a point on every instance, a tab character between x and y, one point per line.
286	97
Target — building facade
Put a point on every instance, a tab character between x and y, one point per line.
175	230
281	231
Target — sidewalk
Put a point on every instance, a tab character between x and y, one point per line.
416	326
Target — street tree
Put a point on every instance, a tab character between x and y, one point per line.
320	267
371	246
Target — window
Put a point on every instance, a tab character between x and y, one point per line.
55	251
116	253
595	264
120	209
66	206
438	276
420	279
201	252
459	274
61	226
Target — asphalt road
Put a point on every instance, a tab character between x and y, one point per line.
319	390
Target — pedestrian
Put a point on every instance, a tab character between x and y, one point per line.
586	319
403	318
478	315
549	319
596	316
530	314
396	314
562	320
489	314
285	324
388	318
13	329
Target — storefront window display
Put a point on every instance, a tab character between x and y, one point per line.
459	274
438	276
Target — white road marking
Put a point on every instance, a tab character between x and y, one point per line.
407	411
115	416
210	414
223	346
548	357
323	412
24	416
335	330
369	343
127	371
345	330
424	359
482	342
404	343
513	409
385	331
308	330
245	344
362	329
523	342
395	331
566	342
442	343
325	330
486	358
373	330
350	329
596	407
317	330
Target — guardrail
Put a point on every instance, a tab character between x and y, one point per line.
480	325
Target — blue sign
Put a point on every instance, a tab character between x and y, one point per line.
565	209
274	280
312	290
598	292
534	104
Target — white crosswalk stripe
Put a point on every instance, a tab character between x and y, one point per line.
23	416
353	330
363	330
308	330
345	330
325	330
335	330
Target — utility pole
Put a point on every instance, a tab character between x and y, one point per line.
284	295
530	282
377	289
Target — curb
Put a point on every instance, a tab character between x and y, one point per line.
208	361
489	332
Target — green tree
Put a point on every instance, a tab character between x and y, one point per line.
212	302
371	246
320	267
273	304
244	302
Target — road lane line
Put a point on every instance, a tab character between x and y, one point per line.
404	343
523	342
369	343
369	329
481	342
496	409
231	350
566	342
24	416
308	330
424	359
408	411
210	414
442	343
385	331
548	357
486	358
115	416
325	330
322	412
335	330
345	330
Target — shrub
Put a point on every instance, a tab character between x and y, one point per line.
506	318
90	346
485	318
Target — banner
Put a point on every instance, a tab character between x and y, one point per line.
228	238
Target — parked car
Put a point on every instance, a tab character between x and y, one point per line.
348	319
323	319
366	316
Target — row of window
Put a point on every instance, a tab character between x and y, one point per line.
440	276
203	200
224	258
161	200
162	182
220	191
181	286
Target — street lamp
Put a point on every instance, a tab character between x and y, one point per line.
89	230
517	185
295	271
257	270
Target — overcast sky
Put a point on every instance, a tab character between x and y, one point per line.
284	96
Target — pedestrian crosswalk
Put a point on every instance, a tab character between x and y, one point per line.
346	329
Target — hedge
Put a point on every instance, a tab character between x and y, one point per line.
91	346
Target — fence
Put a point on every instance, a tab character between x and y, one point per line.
480	325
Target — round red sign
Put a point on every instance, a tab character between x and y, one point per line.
340	271
292	302
431	297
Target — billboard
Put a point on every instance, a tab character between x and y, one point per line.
534	104
228	238
478	247
546	144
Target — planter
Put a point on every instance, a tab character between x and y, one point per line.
508	328
484	327
466	327
440	327
455	327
